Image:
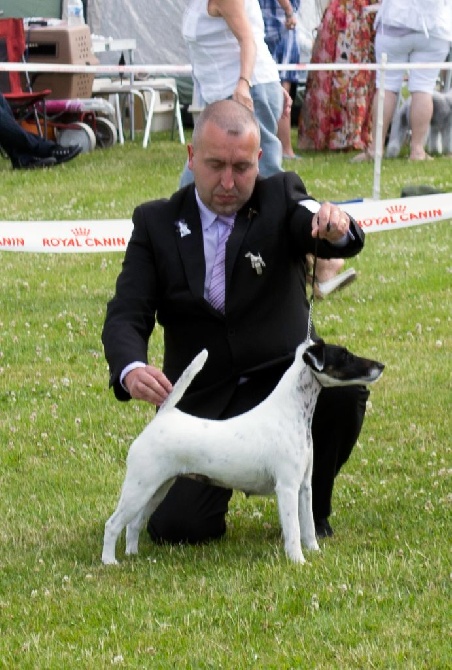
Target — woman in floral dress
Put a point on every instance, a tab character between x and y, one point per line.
337	108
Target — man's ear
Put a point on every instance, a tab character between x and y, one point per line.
314	356
190	155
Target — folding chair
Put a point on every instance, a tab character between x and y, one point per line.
12	49
149	93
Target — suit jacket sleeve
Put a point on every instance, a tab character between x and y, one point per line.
130	317
300	216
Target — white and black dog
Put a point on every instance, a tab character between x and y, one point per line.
266	450
439	139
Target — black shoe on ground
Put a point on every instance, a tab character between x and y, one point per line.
323	528
34	163
63	154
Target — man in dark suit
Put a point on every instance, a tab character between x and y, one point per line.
171	263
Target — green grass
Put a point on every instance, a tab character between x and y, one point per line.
378	594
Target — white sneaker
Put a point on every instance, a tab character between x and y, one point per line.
341	280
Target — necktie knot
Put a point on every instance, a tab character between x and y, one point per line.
226	221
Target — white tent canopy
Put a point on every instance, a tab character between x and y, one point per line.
156	26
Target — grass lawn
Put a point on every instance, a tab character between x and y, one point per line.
376	597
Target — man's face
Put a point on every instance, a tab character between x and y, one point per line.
225	167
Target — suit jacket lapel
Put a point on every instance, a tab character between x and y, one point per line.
242	223
191	245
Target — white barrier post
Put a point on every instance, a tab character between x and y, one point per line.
379	139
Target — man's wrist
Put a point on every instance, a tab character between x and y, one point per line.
127	369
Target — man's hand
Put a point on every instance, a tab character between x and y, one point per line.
330	223
148	383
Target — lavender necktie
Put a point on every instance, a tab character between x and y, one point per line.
217	282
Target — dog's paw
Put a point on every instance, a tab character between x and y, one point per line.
299	560
132	544
296	557
109	560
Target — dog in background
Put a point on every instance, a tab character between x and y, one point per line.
263	451
439	139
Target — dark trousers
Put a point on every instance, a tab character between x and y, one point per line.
20	145
195	512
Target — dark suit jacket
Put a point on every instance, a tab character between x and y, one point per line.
266	315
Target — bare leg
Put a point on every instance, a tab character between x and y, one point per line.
327	268
284	130
389	107
420	116
328	275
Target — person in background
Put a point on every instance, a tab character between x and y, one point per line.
230	59
188	266
336	113
281	36
27	151
410	31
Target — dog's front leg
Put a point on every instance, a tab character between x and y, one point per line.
288	513
306	518
305	515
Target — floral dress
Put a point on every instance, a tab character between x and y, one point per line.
337	109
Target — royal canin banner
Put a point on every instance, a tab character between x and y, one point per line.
113	234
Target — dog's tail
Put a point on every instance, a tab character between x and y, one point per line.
184	381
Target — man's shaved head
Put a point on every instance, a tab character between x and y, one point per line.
232	117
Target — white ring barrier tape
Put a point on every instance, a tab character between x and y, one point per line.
175	70
90	236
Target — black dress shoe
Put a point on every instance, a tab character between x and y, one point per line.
323	528
63	154
34	163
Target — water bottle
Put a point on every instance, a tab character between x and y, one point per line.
75	13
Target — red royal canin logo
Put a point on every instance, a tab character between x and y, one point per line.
80	232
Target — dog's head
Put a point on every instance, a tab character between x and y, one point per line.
336	366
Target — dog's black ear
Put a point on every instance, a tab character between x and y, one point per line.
314	356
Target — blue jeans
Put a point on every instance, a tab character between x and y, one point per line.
268	105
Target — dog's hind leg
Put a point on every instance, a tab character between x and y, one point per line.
132	501
288	513
134	527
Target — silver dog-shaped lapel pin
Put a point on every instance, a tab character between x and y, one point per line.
256	262
182	228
